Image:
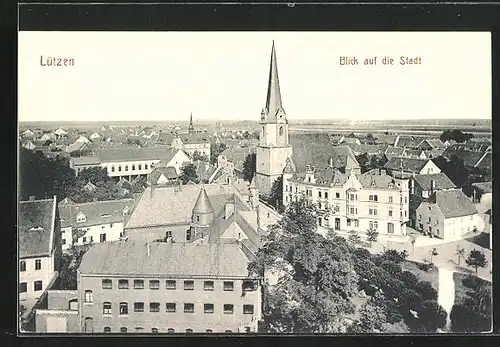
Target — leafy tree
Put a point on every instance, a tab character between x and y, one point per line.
426	290
249	166
456	135
71	261
138	185
363	161
432	316
96	175
276	196
460	253
395	256
475	313
476	259
189	174
372	320
354	237
215	150
409	279
372	235
197	156
433	252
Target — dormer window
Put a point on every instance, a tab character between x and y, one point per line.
105	215
125	210
81	218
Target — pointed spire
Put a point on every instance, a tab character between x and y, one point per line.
273	101
203	205
191	126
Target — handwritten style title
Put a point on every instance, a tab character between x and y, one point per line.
387	61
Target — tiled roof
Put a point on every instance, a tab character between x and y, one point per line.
204	170
130	154
35	227
435	143
409	141
167	205
441	181
369	149
165	259
485	161
388	139
374	179
434	153
86	160
77	146
470	158
237	155
169	172
203	205
408	164
195	138
350	140
485	187
453	203
96	213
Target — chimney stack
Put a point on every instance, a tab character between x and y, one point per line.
149	249
433	186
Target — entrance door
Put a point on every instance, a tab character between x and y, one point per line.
89	325
337	223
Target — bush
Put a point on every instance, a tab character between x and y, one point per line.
471	282
425	266
409	279
426	291
362	253
391	267
394	255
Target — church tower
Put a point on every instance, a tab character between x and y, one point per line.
191	126
274	147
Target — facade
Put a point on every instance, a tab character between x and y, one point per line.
39	250
231	160
60	314
132	162
167	287
102	221
411	166
448	215
350	200
274	147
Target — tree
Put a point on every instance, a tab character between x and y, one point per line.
475	313
431	317
276	196
372	319
409	279
215	150
197	156
476	259
455	135
433	252
249	166
354	237
426	291
71	261
95	175
460	253
394	255
372	235
189	174
138	185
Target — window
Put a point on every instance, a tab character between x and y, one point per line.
400	199
81	218
188	331
375	198
248	286
119	168
170	306
107	329
228	308
145	166
390	213
228	286
102	238
375	225
188	285
123	330
370	197
370	211
140	166
326	195
126	167
133	167
247	330
348	222
154	330
138	284
208	285
89	296
154	307
122	284
319	194
138	307
208	331
189	308
106	308
113	168
154	284
38	264
123	309
107	284
23	287
37	286
390	199
139	329
337	195
170	330
168	233
63	241
84	239
22	266
208	308
188	232
171	284
429	219
429	208
352	210
375	211
247	309
356	223
390	228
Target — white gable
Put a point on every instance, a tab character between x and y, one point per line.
162	179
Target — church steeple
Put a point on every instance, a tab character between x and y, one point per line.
273	100
191	126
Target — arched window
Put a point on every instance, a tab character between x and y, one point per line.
189	331
281	131
106	308
208	330
123	309
123	330
89	297
73	304
113	168
107	329
154	330
171	331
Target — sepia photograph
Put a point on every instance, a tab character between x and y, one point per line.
278	182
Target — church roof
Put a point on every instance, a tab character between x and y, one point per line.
273	101
203	205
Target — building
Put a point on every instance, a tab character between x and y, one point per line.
163	287
231	160
429	144
274	147
483	193
164	176
101	221
60	314
448	215
40	251
131	162
411	166
348	200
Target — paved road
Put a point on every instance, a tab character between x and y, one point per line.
446	292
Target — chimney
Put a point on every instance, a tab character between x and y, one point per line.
383	172
412	189
149	248
32	198
433	186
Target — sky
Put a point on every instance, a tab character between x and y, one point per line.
162	76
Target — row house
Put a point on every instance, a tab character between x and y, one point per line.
98	221
411	166
167	288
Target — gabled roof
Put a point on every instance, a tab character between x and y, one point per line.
96	213
169	173
441	181
36	226
485	161
195	138
165	259
407	164
86	160
77	146
452	203
470	158
409	141
485	187
388	139
374	179
129	154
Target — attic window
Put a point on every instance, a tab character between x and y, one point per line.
105	215
81	218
